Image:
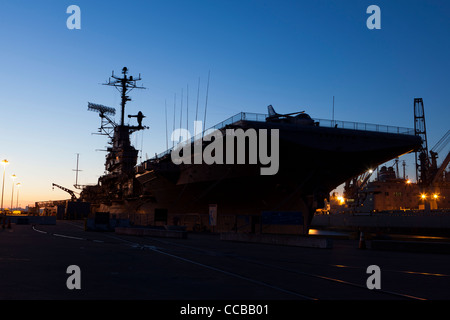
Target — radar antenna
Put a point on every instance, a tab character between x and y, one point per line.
107	125
124	85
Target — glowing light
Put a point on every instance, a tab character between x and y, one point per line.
408	181
341	200
423	196
435	196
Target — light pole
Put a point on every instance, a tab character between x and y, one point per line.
12	192
18	188
4	163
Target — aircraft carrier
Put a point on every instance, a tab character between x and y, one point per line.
314	157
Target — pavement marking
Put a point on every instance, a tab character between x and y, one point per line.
424	273
66	236
14	259
74	224
399	271
155	249
117	238
45	232
284	269
334	279
235	275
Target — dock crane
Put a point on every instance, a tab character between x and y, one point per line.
436	172
436	177
428	173
440	145
441	169
353	189
72	194
422	157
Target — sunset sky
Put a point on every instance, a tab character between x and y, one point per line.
295	55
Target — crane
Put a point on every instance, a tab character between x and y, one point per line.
440	145
72	194
353	188
428	173
441	169
422	158
431	172
438	148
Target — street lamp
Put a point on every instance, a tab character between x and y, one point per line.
18	186
4	163
12	192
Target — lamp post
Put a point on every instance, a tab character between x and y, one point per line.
13	177
17	202
4	163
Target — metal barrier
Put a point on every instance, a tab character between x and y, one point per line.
260	117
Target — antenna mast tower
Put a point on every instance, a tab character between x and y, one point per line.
422	159
122	156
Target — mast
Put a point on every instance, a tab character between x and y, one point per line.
76	185
122	156
124	85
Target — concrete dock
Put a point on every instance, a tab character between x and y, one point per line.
204	267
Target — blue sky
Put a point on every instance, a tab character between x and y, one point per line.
295	55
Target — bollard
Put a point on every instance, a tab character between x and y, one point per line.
362	241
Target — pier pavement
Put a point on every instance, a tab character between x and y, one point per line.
35	261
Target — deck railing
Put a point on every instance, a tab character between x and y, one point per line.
260	117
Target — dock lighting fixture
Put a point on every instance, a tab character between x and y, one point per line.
4	162
12	192
423	196
17	202
435	196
